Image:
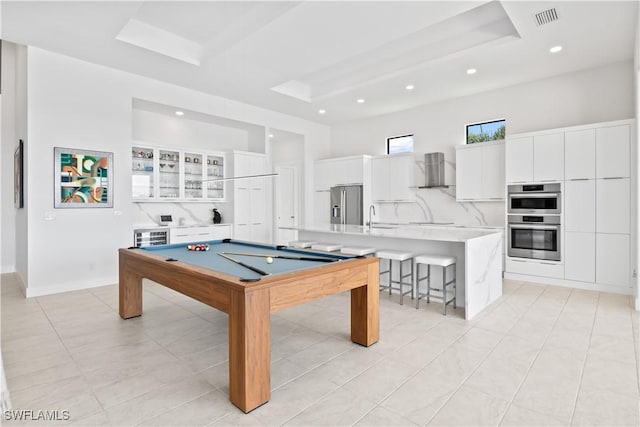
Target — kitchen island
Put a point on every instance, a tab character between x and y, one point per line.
478	250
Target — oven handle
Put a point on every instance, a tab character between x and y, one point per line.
536	226
533	195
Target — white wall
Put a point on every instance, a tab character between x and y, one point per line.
8	136
73	103
14	127
637	115
589	96
181	132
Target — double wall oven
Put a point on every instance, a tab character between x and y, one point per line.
534	221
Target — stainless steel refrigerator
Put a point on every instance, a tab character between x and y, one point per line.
346	204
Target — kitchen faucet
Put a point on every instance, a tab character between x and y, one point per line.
371	208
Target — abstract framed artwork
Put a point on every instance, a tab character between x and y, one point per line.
83	178
18	176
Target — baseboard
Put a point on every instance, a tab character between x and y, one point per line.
67	287
7	269
596	287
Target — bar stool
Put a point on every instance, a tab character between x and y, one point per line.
444	262
401	258
301	244
358	250
326	247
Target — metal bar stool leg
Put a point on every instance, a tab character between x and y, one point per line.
401	282
390	275
417	286
428	283
444	289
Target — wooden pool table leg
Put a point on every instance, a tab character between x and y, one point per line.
365	316
249	349
130	292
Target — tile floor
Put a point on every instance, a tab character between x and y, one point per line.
540	355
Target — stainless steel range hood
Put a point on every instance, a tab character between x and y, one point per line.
434	170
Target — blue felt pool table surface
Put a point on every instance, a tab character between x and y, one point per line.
212	261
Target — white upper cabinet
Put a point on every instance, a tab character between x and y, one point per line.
612	205
493	171
537	158
612	151
548	157
480	172
580	154
580	206
519	159
469	173
380	178
393	177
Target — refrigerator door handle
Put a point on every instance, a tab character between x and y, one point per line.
344	206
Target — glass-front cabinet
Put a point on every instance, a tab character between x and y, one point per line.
160	174
193	175
142	173
168	174
214	176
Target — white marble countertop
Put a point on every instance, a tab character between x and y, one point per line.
166	227
444	233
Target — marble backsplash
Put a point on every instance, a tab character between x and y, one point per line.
440	205
148	214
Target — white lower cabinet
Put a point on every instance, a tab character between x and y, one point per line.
612	259
199	234
535	268
580	256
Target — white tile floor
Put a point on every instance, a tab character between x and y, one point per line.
538	356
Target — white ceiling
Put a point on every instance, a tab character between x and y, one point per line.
329	54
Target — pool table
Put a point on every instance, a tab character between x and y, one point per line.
249	298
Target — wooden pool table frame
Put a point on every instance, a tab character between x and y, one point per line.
250	304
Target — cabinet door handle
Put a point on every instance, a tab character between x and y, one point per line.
579	179
615	177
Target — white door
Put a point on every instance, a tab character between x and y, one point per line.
286	203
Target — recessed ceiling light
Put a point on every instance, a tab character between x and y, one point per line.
360	101
555	49
409	87
471	71
179	113
270	135
322	111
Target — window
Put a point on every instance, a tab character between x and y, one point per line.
400	144
486	131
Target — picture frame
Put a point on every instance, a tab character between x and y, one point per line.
18	175
82	178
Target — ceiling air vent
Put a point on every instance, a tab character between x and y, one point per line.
546	16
